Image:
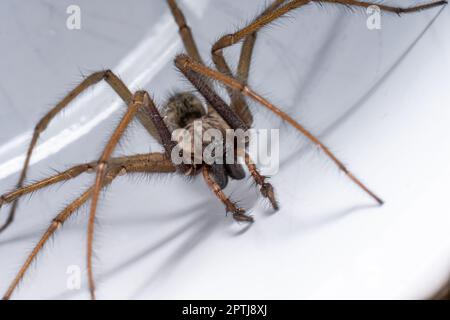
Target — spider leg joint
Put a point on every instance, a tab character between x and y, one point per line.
240	216
226	41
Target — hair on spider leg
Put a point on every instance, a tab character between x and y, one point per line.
57	186
50	242
127	137
83	75
279	23
29	195
304	147
188	85
362	9
345	8
151	178
86	72
273	24
76	215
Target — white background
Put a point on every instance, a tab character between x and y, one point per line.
379	99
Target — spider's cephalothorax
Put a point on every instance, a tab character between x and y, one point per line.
186	111
182	109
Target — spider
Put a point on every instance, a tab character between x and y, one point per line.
181	111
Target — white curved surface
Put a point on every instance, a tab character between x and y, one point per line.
380	99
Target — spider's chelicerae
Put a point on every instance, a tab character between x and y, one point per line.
181	111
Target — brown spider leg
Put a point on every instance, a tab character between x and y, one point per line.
185	31
163	132
392	9
267	189
272	13
198	81
56	223
186	36
248	46
115	83
63	176
230	206
238	102
148	163
133	107
190	67
140	99
126	164
230	39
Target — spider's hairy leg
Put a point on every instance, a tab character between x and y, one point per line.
163	131
126	164
57	222
151	162
141	163
185	63
140	101
267	189
276	10
185	31
392	9
62	176
230	206
115	83
186	35
238	102
135	104
270	16
249	30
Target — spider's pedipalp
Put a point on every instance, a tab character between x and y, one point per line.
241	216
238	213
62	176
